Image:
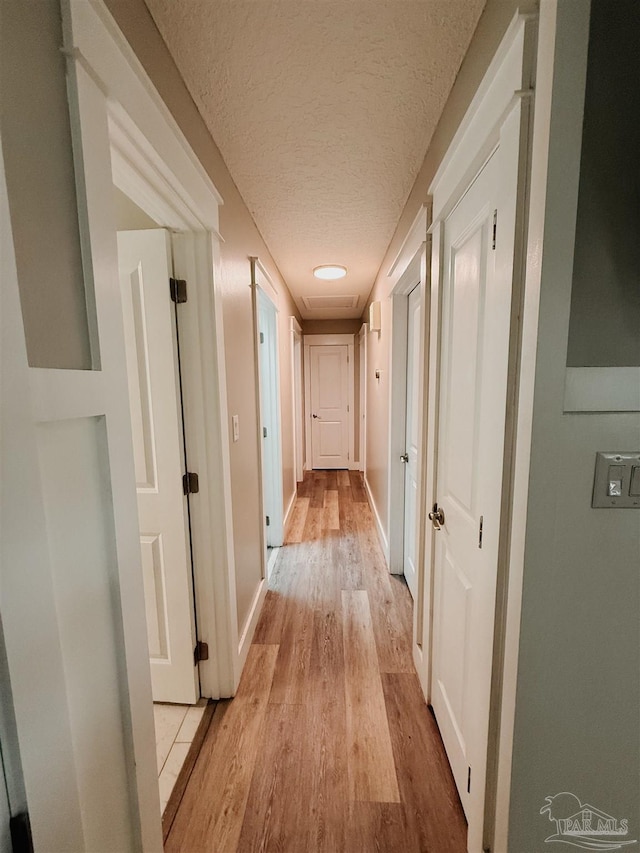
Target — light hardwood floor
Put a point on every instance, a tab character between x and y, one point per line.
328	745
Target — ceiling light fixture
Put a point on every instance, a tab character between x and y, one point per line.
330	272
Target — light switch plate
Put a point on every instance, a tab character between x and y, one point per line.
236	427
614	481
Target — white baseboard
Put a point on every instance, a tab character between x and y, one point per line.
384	542
249	630
287	514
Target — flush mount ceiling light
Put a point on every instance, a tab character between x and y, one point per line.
330	272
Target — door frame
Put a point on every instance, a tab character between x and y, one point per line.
410	268
261	282
168	182
192	217
362	413
506	87
297	398
320	341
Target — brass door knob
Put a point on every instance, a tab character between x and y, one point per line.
436	516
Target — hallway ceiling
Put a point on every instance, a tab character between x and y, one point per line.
323	111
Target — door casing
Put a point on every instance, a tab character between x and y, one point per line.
265	312
297	399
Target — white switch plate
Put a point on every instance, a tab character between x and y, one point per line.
236	427
614	483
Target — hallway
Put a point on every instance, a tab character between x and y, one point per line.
328	744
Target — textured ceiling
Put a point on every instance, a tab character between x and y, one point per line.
323	111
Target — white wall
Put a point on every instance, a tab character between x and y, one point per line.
241	240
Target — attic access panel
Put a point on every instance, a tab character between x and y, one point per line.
330	303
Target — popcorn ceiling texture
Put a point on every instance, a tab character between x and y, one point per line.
323	111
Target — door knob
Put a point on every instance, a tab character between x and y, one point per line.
314	416
404	458
436	516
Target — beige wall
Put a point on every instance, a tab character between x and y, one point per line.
241	240
491	27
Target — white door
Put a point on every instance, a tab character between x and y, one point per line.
411	442
270	419
329	382
476	287
144	259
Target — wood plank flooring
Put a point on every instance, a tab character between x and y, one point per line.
328	745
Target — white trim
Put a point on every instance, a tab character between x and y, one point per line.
384	544
137	171
261	283
535	239
602	389
204	386
416	236
329	340
246	637
362	448
411	269
287	515
262	278
100	47
297	401
504	83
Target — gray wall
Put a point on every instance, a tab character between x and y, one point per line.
578	691
36	145
605	300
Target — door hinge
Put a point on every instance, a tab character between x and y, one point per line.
267	520
495	228
201	652
190	484
178	290
264	432
480	526
469	781
347	408
261	337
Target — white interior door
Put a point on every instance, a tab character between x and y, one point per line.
329	386
476	288
411	442
154	393
298	406
270	419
